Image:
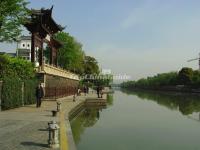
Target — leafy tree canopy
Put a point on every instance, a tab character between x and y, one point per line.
71	55
12	15
185	75
91	65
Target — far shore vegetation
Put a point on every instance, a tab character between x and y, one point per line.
185	78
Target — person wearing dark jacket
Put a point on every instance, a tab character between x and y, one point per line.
85	90
98	91
39	95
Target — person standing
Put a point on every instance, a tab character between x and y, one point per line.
78	91
39	95
101	91
85	90
87	87
98	91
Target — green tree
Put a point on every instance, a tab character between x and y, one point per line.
163	79
104	80
12	15
91	66
4	61
71	55
185	76
92	73
196	79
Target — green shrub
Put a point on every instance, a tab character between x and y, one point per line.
11	93
16	68
29	91
12	96
14	73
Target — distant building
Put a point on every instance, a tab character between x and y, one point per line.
24	47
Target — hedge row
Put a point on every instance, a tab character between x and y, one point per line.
29	91
13	95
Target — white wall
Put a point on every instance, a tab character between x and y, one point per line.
24	44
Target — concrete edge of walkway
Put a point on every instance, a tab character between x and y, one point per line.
64	145
66	136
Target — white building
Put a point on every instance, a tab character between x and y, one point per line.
24	47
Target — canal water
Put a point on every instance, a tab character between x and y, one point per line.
140	121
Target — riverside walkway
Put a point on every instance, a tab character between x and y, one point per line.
25	128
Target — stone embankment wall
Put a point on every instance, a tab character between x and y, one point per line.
56	87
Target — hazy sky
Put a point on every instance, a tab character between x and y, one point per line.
136	37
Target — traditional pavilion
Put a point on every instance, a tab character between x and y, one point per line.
42	27
56	81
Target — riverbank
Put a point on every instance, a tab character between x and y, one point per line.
25	128
180	89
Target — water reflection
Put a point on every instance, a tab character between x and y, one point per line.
87	118
133	121
110	99
185	103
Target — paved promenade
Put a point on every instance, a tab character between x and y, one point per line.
25	128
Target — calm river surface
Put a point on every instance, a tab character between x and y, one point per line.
140	121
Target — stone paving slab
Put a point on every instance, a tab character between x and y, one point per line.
25	128
23	135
